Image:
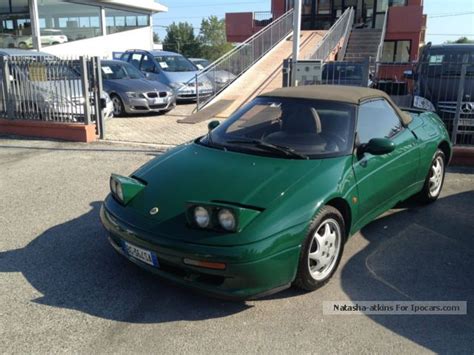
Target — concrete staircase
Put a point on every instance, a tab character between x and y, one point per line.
266	74
363	44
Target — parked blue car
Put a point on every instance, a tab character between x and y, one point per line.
171	69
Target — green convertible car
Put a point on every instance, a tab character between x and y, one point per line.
268	198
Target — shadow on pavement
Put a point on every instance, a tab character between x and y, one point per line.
424	253
74	267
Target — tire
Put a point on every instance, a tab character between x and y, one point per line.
434	179
119	109
321	250
22	45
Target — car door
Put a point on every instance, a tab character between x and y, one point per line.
383	179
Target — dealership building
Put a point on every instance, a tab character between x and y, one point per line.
90	27
402	21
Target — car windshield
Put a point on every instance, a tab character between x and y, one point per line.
175	63
117	71
288	127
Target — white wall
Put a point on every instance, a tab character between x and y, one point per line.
103	46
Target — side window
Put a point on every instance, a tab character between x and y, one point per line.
136	59
125	57
377	119
147	64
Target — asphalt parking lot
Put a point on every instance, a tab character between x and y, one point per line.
63	289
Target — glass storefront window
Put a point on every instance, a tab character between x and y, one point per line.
396	52
62	22
15	25
118	20
324	7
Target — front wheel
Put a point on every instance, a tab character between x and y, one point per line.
118	105
321	250
435	178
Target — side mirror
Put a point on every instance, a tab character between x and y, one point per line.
378	146
212	125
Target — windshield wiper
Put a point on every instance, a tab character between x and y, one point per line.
268	146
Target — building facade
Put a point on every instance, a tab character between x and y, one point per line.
405	28
82	27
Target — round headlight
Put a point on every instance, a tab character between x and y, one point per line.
201	216
226	219
113	186
119	191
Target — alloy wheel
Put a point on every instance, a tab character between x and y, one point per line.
436	176
324	249
118	107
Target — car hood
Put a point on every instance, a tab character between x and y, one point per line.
134	85
181	77
197	173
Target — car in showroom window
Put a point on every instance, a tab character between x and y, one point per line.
288	127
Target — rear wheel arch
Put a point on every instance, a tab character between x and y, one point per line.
344	208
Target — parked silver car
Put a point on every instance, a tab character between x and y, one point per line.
219	77
131	92
44	87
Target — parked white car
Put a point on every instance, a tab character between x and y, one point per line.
49	36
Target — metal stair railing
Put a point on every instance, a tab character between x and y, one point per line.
332	38
209	82
378	58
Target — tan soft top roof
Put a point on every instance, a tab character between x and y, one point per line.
349	94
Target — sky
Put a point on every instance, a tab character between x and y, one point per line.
447	19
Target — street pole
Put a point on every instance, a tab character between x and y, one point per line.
296	39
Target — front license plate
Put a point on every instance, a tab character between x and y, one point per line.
144	255
159	101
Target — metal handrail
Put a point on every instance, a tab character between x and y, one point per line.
235	62
332	38
382	38
347	34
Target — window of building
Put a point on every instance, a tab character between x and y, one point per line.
398	2
62	22
377	119
324	7
118	20
396	51
15	25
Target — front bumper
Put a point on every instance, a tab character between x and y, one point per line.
144	104
239	281
190	93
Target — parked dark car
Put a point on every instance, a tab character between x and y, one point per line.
131	92
438	77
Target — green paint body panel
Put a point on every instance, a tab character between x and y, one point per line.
285	195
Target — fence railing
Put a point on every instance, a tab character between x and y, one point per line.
225	70
445	87
378	58
50	89
337	35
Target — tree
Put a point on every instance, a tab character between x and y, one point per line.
156	38
180	38
213	39
462	40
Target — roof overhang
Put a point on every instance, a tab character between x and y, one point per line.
147	5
